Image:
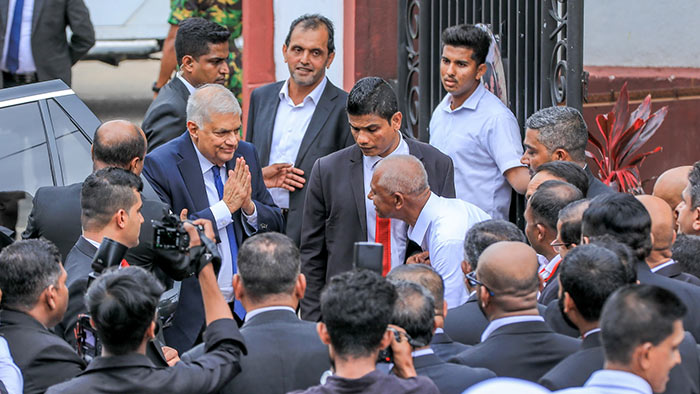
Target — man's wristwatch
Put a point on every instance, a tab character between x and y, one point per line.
155	87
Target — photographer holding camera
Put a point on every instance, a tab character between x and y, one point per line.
122	305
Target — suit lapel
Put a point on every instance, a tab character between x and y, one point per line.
318	119
358	190
267	125
38	6
191	173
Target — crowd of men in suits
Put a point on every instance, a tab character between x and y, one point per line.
596	295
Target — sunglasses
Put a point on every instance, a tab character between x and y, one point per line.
473	282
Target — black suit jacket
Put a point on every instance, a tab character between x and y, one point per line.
166	117
467	322
524	350
79	261
53	53
328	131
334	213
56	217
674	271
551	291
575	370
44	358
174	172
134	373
445	348
449	378
555	320
595	186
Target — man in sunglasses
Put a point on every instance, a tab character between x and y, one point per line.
517	343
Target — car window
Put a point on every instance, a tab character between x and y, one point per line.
73	147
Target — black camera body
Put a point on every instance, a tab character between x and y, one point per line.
170	234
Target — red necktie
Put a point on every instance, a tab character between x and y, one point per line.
383	236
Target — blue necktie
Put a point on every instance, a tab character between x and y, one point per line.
232	243
12	61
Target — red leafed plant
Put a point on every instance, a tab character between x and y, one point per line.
623	134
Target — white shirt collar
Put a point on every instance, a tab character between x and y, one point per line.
664	265
470	103
422	352
204	163
614	380
188	85
591	332
93	243
439	330
255	312
504	321
430	209
315	94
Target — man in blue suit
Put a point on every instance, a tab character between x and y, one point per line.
211	174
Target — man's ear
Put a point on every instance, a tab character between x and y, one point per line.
238	290
480	71
569	303
642	355
396	120
300	286
444	309
561	154
50	295
150	331
187	63
121	217
466	268
585	240
484	296
696	219
322	331
134	163
193	129
386	339
399	200
541	231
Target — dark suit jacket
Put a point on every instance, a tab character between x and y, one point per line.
43	358
79	261
467	322
595	186
134	373
166	117
53	54
555	320
445	348
449	378
524	350
674	271
56	217
575	370
174	173
334	213
551	291
328	131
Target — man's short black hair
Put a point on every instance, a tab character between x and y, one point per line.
590	273
637	314
686	252
425	276
268	264
372	95
121	153
550	198
570	217
105	192
623	217
570	172
694	185
483	234
122	303
561	128
313	21
27	268
468	36
356	308
414	311
623	252
194	36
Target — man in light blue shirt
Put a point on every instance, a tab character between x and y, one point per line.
641	328
475	128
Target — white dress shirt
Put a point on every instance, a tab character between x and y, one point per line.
607	381
483	139
222	218
546	270
664	265
26	57
255	312
398	227
10	374
290	126
440	229
504	321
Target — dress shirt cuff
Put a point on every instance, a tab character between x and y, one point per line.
222	215
511	164
223	330
250	224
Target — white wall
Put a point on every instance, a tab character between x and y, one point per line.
288	10
642	33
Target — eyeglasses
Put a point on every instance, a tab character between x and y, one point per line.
473	282
558	245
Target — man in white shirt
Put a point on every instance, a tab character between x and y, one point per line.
400	190
474	128
641	330
294	122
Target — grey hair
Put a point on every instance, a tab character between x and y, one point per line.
561	128
211	99
402	174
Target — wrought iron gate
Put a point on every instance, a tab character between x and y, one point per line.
541	44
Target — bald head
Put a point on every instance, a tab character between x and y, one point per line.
670	185
662	221
509	268
119	143
401	174
538	179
